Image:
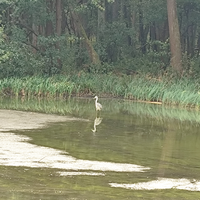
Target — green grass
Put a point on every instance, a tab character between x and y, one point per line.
185	92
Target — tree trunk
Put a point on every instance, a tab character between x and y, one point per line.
94	57
143	31
58	28
58	17
174	36
115	10
34	37
49	23
127	18
101	16
153	36
165	32
198	46
101	21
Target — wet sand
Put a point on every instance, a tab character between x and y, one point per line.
19	120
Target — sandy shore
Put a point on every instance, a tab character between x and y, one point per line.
18	120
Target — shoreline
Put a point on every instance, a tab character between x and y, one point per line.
182	92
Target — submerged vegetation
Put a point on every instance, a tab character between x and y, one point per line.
183	92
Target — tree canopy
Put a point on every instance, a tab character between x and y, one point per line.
98	36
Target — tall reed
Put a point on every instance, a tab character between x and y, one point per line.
185	92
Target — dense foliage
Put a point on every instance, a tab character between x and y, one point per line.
99	36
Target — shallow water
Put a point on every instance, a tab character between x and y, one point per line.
127	151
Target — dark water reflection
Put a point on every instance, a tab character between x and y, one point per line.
165	140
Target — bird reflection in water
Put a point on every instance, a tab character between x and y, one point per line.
97	121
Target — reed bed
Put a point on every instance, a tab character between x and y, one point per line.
184	92
36	86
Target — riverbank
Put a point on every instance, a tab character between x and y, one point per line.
165	90
16	120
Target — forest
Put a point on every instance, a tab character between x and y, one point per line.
98	36
72	38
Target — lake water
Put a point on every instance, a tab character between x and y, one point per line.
127	151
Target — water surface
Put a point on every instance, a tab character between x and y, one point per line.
128	151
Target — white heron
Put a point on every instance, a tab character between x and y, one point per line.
98	106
